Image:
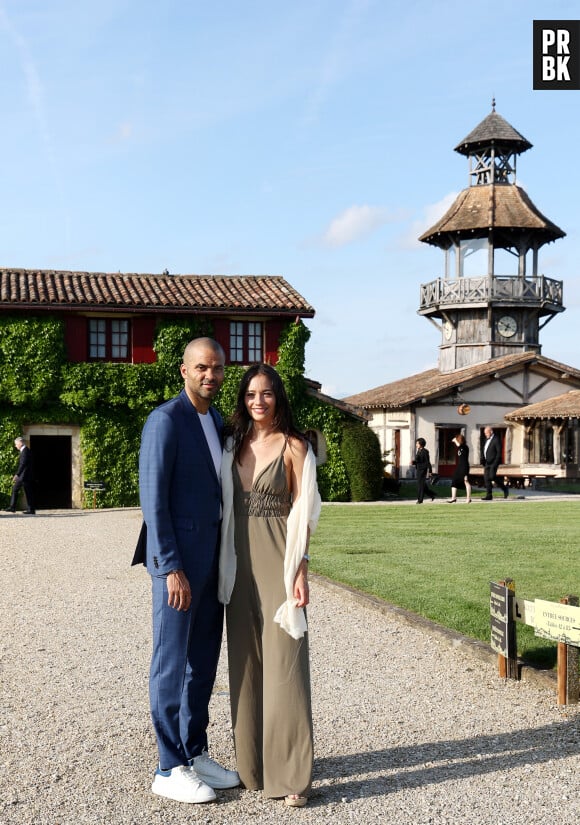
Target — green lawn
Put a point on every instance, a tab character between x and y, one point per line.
437	560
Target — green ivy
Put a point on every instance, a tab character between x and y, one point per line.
291	360
310	413
110	442
31	355
225	402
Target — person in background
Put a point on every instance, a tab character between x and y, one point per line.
23	479
460	480
422	464
271	505
491	459
179	485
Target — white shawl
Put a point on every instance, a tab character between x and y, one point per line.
303	517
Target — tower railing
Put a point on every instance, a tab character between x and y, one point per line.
483	289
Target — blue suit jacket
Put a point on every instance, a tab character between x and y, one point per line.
179	489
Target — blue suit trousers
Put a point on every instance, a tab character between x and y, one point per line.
186	649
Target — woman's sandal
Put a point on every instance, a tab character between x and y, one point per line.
295	801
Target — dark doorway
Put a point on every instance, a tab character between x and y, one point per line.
446	450
396	468
52	456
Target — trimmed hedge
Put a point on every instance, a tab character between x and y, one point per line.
361	452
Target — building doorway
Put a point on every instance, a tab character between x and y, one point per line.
396	460
446	449
52	456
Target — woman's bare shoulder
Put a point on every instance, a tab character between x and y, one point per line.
297	445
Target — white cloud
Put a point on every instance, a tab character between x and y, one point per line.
430	215
355	223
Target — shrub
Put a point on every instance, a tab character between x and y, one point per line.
361	453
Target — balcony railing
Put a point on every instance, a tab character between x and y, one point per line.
538	291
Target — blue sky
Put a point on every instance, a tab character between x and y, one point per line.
311	139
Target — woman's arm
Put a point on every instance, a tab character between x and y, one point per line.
296	456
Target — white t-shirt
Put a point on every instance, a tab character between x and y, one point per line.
212	438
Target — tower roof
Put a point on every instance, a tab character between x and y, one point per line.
478	209
493	130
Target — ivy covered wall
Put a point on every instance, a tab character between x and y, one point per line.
110	401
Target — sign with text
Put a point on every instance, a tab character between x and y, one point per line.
500	608
560	622
556	54
95	485
524	611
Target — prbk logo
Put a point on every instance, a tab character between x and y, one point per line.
556	54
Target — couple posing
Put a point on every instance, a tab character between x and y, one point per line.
229	527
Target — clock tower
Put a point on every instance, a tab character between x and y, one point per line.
492	300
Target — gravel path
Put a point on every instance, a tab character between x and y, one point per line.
410	729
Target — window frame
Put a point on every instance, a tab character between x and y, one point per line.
108	332
246	342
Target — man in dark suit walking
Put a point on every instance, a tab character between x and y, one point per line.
180	491
23	479
491	459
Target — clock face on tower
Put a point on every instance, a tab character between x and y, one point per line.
447	329
507	326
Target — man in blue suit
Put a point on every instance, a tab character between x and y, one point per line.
179	465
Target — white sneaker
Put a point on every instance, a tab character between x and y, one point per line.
213	774
181	784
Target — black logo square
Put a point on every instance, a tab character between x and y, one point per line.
557	54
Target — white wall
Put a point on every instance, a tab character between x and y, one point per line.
489	404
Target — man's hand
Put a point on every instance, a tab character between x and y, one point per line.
179	591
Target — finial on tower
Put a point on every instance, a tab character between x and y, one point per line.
493	104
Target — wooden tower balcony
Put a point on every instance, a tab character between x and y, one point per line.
545	295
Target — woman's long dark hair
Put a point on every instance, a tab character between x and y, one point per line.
240	420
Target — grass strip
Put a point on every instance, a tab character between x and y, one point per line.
437	560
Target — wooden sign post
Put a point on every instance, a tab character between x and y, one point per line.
503	627
95	486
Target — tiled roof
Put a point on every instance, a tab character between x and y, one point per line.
46	289
561	406
493	130
313	389
432	384
497	206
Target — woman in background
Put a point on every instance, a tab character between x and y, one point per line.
460	480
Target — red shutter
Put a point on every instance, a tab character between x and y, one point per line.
76	338
143	334
221	333
272	331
